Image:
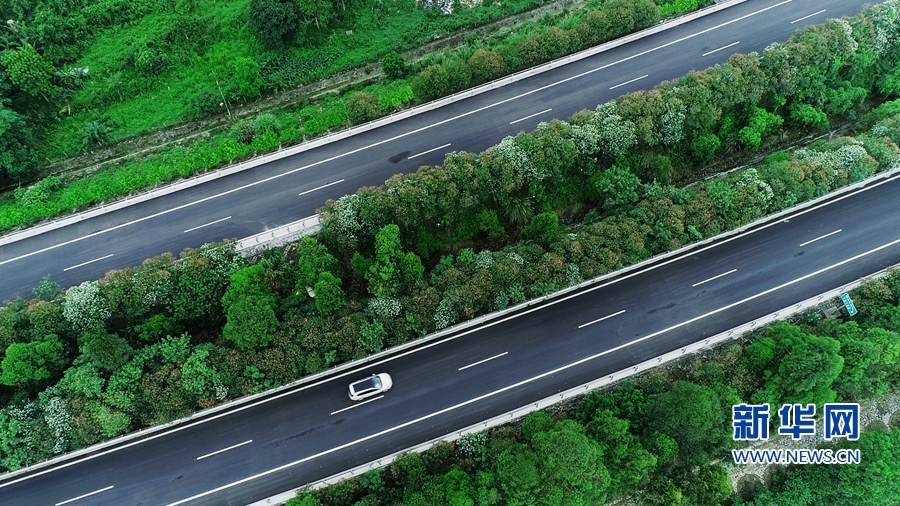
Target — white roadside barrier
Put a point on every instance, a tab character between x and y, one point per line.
343	134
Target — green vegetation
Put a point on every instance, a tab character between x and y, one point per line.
77	74
155	342
653	440
246	77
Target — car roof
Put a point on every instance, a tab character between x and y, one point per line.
366	384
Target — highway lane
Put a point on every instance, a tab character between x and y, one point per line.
309	432
292	188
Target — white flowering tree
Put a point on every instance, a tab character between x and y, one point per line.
85	307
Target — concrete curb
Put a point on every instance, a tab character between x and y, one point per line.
509	416
306	146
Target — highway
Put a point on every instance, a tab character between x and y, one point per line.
314	431
291	188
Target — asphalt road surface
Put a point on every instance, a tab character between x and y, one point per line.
314	431
292	188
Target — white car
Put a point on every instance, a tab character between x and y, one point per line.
373	385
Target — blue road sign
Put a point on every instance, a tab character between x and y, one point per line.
845	298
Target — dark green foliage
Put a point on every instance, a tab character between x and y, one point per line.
274	21
394	65
251	322
543	229
18	157
107	351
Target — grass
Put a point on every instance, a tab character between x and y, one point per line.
130	102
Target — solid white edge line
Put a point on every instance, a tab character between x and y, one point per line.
207	224
715	277
539	376
225	449
88	262
348	372
67	501
807	17
429	151
320	187
400	136
629	82
487	325
822	237
721	48
483	361
531	116
358	404
600	319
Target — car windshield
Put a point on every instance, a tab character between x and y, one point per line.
372	383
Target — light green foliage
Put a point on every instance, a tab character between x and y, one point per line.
628	462
561	466
84	379
28	70
245	79
392	271
691	414
158	327
251	322
199	375
312	260
372	336
760	123
329	295
615	188
47	289
27	364
797	367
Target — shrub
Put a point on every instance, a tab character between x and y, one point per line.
394	65
362	107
